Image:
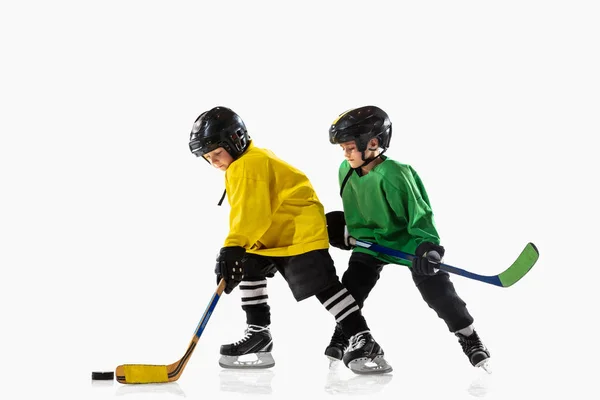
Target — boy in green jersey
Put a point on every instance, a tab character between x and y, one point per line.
386	203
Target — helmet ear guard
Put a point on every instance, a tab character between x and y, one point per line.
385	138
240	140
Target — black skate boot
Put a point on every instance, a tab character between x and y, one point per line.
338	345
365	356
252	351
478	354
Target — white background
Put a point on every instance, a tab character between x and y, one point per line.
109	226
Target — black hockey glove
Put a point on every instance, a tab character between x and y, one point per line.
230	266
427	259
337	231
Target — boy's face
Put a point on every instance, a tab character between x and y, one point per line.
219	158
351	154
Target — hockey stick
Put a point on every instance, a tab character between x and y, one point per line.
509	277
144	373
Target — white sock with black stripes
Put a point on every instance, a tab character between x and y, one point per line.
253	292
341	305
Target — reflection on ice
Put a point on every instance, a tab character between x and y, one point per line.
170	388
251	381
340	382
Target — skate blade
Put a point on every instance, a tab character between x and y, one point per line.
334	363
485	365
247	361
366	366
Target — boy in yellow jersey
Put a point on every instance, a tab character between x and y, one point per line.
276	224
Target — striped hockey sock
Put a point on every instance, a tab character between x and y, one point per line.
255	302
341	304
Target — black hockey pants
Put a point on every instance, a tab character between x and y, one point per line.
437	290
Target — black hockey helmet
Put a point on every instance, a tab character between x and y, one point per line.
219	127
361	125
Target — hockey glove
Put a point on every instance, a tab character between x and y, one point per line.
427	259
337	231
230	266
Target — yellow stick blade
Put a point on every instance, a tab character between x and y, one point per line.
142	373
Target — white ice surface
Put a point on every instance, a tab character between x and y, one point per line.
109	226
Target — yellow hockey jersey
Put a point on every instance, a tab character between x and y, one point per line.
274	208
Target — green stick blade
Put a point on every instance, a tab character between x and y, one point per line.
521	266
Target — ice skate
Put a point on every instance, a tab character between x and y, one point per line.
252	351
478	354
365	356
337	347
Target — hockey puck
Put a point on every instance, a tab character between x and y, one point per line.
103	376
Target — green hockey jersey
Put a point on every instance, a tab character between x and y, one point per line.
388	206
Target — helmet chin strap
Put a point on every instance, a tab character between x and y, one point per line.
358	169
370	160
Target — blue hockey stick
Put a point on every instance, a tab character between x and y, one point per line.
516	271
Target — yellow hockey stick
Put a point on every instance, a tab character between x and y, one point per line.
145	373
